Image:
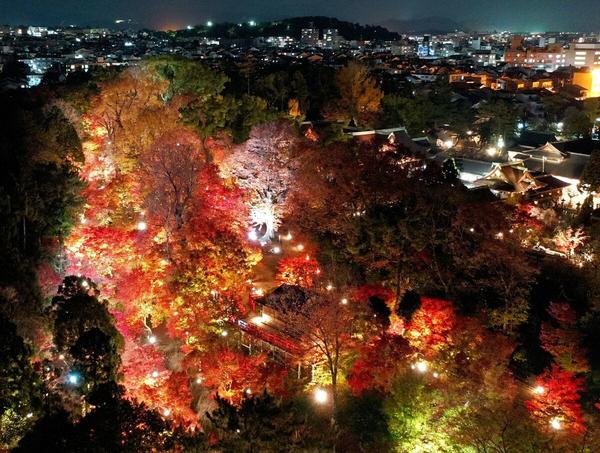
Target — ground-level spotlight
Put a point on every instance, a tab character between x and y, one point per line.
421	366
321	396
73	378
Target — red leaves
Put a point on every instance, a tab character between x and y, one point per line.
561	338
378	364
232	374
298	270
431	325
556	401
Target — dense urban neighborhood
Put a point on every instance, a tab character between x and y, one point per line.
302	235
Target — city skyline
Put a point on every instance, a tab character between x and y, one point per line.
484	15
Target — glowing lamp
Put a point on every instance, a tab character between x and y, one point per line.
555	423
29	415
421	366
448	144
491	151
276	250
73	378
166	412
224	333
321	396
209	23
329	287
300	247
142	226
539	390
154	374
248	391
344	301
152	339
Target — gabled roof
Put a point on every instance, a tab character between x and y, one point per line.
580	146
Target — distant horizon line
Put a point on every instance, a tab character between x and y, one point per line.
114	26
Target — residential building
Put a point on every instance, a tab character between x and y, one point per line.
584	54
310	37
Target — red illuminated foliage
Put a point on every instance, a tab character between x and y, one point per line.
558	400
379	363
562	339
298	270
431	325
232	374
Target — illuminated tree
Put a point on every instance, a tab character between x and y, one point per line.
431	325
263	165
379	363
325	326
561	338
170	169
359	93
556	405
233	375
298	270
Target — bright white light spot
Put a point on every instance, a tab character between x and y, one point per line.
491	151
276	250
73	378
344	301
61	357
448	144
85	284
265	221
252	235
209	23
29	415
155	374
321	396
329	287
224	333
248	391
421	366
471	230
252	23
287	237
539	390
142	226
166	412
555	423
500	143
436	375
199	380
300	247
152	339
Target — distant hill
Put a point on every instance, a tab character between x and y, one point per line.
422	25
293	27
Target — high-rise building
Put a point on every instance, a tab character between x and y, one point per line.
310	37
584	54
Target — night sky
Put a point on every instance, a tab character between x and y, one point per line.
526	15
